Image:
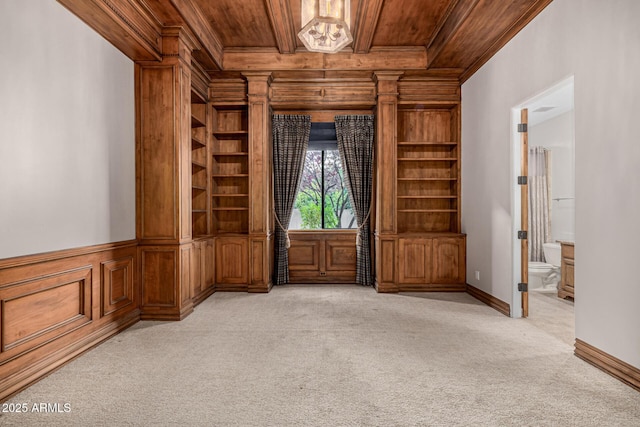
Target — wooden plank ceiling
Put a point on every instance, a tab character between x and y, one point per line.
449	38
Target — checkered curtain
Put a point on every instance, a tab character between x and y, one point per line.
290	141
355	143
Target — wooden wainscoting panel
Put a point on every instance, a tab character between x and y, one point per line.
117	284
260	259
51	306
386	252
185	275
43	309
159	271
202	269
196	268
613	366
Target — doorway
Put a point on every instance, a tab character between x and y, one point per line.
544	205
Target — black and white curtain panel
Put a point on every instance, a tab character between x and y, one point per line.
290	141
355	143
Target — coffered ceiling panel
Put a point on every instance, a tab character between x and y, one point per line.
446	38
409	22
239	23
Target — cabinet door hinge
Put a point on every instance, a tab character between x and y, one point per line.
522	235
522	127
522	180
523	287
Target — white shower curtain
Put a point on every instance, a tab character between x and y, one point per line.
539	203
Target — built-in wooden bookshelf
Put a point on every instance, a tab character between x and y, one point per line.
230	170
199	167
428	169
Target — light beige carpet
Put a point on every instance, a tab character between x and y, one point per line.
333	356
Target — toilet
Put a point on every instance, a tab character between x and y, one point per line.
544	276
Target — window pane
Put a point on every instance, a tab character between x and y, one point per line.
307	207
337	207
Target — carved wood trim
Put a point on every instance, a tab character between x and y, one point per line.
328	93
455	18
388	58
499	43
490	300
228	91
66	253
283	25
202	29
613	366
365	26
200	81
428	90
127	24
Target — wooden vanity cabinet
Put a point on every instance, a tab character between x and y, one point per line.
566	287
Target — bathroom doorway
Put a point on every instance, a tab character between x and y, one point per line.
544	152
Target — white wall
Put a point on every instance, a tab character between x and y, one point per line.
67	140
556	135
599	43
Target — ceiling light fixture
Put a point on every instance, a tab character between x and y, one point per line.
326	29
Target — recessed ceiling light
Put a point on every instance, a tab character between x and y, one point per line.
543	109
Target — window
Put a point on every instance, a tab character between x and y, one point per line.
323	199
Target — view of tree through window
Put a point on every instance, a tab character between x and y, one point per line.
323	198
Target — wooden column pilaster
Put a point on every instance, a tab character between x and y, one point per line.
260	185
163	175
386	242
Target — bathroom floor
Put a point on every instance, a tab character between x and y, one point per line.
553	315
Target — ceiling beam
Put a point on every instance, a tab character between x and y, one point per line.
201	28
454	20
365	26
282	23
129	25
388	58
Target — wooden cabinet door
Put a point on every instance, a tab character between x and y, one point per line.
322	257
209	263
448	260
340	259
196	268
232	260
415	259
567	272
305	260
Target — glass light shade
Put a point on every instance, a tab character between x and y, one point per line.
326	29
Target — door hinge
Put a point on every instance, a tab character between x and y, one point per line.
522	235
523	287
522	127
522	180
